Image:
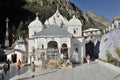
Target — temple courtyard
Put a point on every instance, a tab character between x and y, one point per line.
93	71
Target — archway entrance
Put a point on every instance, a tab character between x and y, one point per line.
52	44
14	58
52	50
90	49
64	50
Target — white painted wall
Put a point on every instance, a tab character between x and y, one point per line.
57	19
21	47
19	56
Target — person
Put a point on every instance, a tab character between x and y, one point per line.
8	63
88	59
33	69
19	64
5	67
62	56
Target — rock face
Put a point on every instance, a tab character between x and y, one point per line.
69	7
108	43
99	19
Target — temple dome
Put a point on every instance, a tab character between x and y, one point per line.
74	22
35	23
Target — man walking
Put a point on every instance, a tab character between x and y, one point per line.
33	69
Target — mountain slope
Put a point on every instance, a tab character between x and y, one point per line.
99	19
22	12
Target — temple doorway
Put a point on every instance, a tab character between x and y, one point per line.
90	49
64	50
52	50
14	58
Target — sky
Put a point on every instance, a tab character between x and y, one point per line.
106	8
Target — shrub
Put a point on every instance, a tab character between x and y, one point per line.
117	50
113	60
109	57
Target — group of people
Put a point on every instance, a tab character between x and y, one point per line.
65	59
32	67
6	66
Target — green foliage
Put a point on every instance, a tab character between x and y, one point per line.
44	11
87	25
117	50
21	31
65	14
109	57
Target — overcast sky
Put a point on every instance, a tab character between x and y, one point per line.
106	8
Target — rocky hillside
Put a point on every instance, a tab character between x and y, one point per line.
68	9
22	12
99	19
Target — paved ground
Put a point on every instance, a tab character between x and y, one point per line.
13	72
93	71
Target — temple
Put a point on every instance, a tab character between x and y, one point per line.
56	36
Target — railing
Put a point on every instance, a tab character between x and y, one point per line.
52	53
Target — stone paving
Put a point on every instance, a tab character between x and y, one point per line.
13	71
93	71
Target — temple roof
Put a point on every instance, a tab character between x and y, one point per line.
91	29
53	31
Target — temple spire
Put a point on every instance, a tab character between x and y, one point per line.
58	7
37	14
7	34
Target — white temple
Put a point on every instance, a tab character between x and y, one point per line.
57	36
